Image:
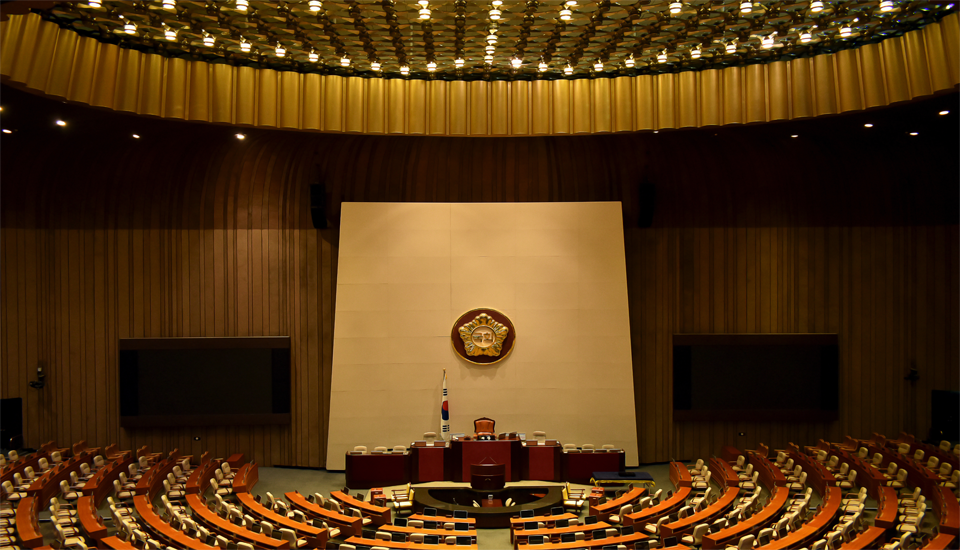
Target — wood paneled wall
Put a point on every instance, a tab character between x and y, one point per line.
190	232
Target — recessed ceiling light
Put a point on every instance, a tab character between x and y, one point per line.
136	136
868	125
5	131
794	135
914	134
656	131
941	112
61	123
241	136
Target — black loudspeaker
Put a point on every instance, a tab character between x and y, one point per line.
318	206
648	203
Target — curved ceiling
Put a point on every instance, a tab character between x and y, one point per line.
601	38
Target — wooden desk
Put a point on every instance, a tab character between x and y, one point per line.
116	543
750	526
947	509
886	508
247	476
729	453
611	507
199	480
814	529
627	541
389	528
707	515
220	526
152	481
680	475
818	476
316	536
429	463
867	475
357	541
943	541
462	454
578	466
553	534
235	460
542	462
90	519
19	466
364	471
548	520
665	508
100	486
44	487
349	526
471	521
28	522
770	475
872	538
723	473
162	531
378	515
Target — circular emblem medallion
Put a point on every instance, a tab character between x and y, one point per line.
483	336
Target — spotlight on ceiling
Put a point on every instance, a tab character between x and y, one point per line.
794	135
495	14
136	136
806	36
375	65
676	7
941	113
598	66
767	41
488	59
61	123
914	133
208	39
568	70
95	3
5	131
241	136
696	52
404	70
244	45
432	66
130	27
868	125
516	62
845	31
169	34
458	62
566	15
662	57
731	47
542	67
242	5
497	3
424	10
630	62
886	5
169	4
314	56
491	38
490	48
746	6
314	5
816	6
344	61
280	50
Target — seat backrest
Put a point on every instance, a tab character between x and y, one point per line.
484	425
399	449
740	461
892	468
569	446
360	449
918	455
267	528
746	542
945	469
587	446
904	448
863	453
765	536
698	533
821	455
933	463
901	475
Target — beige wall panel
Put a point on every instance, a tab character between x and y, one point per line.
895	70
333	103
581	106
520	108
756	93
417	107
825	84
478	92
937	57
199	91
175	88
11	35
246	105
499	107
541	106
732	96
710	93
151	85
802	104
396	103
376	99
44	46
289	97
646	106
687	103
457	108
84	65
29	30
562	110
623	112
221	92
355	104
602	99
437	107
58	82
268	97
128	81
848	80
950	27
104	81
385	272
917	69
871	73
778	90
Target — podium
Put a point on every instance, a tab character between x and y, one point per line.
487	477
463	455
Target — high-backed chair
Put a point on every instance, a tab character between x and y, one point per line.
360	449
484	427
540	437
430	438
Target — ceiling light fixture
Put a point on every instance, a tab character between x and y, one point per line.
497	3
431	66
424	9
746	6
816	6
695	52
868	125
136	136
794	135
208	39
314	56
169	4
676	7
488	59
495	14
490	48
244	45
492	38
566	15
886	5
375	65
598	66
404	70
242	5
574	3
344	61
630	62
458	62
805	37
5	131
767	41
95	3
914	134
662	57
130	27
314	5
568	70
169	34
61	123
845	31
731	47
241	136
516	62
280	50
941	113
542	67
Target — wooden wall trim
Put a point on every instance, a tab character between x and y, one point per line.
41	56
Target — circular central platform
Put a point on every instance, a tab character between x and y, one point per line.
491	513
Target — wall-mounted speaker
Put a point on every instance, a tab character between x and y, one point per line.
648	203
318	206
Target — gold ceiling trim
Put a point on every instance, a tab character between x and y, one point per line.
41	56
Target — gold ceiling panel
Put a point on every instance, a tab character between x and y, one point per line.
39	55
494	39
